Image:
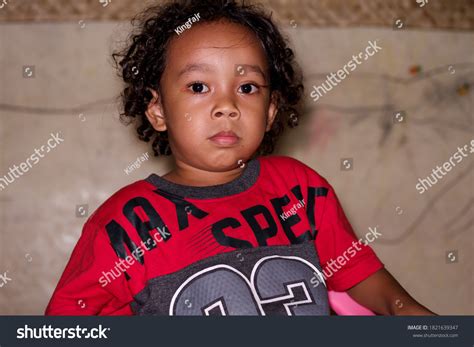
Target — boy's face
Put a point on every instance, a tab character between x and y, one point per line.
214	96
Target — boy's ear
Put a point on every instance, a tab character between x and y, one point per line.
272	110
154	112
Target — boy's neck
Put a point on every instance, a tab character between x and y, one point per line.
200	178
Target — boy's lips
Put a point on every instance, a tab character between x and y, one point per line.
225	138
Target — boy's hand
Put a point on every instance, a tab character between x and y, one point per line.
382	294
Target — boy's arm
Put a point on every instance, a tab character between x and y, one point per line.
382	294
358	270
81	289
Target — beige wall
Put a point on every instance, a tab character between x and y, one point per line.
73	93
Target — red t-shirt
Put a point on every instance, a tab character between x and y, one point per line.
259	245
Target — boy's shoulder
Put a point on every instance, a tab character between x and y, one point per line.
113	206
289	166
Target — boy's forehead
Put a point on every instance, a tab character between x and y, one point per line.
217	39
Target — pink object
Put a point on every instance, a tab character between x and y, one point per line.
344	305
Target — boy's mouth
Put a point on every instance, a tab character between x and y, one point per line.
225	138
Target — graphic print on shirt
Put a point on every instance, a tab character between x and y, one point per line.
120	240
271	281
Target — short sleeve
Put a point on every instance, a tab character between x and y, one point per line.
80	290
345	259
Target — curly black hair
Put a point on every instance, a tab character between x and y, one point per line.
142	62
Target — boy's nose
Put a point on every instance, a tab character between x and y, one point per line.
220	113
226	107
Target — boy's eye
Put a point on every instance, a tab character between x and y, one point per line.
198	88
248	88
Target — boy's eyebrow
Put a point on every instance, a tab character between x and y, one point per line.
255	68
195	67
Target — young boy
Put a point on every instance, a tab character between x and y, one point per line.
228	231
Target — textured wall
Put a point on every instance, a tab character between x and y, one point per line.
452	14
70	88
